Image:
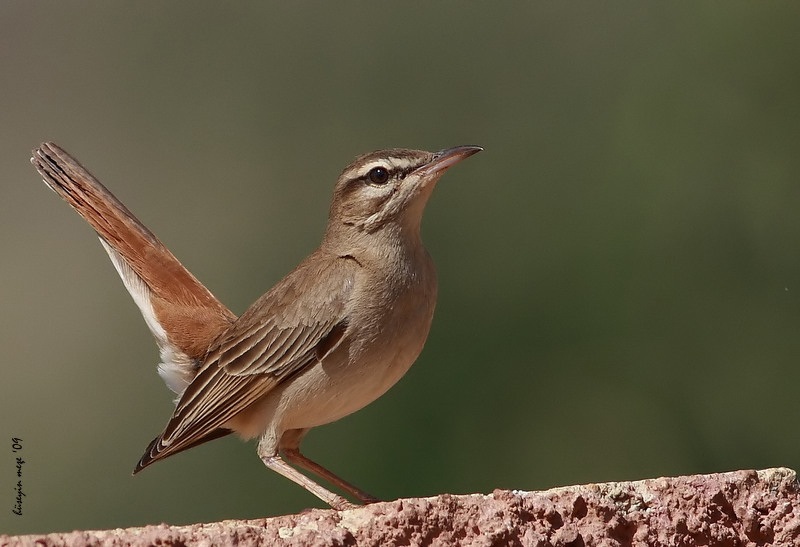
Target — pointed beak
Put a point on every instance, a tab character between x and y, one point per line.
445	159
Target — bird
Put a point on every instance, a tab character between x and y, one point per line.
328	339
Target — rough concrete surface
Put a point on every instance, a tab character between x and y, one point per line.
740	508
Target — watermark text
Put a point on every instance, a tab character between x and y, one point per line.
16	448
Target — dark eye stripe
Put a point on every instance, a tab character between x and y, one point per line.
395	172
406	171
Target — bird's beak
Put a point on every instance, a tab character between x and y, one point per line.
446	158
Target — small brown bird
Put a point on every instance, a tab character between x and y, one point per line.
331	337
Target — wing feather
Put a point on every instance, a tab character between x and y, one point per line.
286	331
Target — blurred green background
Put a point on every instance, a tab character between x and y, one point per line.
619	270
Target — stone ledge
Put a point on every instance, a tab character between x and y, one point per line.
729	509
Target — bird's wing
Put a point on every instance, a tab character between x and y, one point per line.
286	331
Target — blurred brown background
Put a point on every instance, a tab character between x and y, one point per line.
619	270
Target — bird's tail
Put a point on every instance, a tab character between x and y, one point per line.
180	311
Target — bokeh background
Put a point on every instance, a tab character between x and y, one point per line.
619	270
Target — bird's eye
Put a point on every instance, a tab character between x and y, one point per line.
378	175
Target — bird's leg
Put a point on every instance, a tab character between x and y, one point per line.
267	453
336	501
294	456
290	447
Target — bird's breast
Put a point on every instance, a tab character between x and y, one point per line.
388	323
